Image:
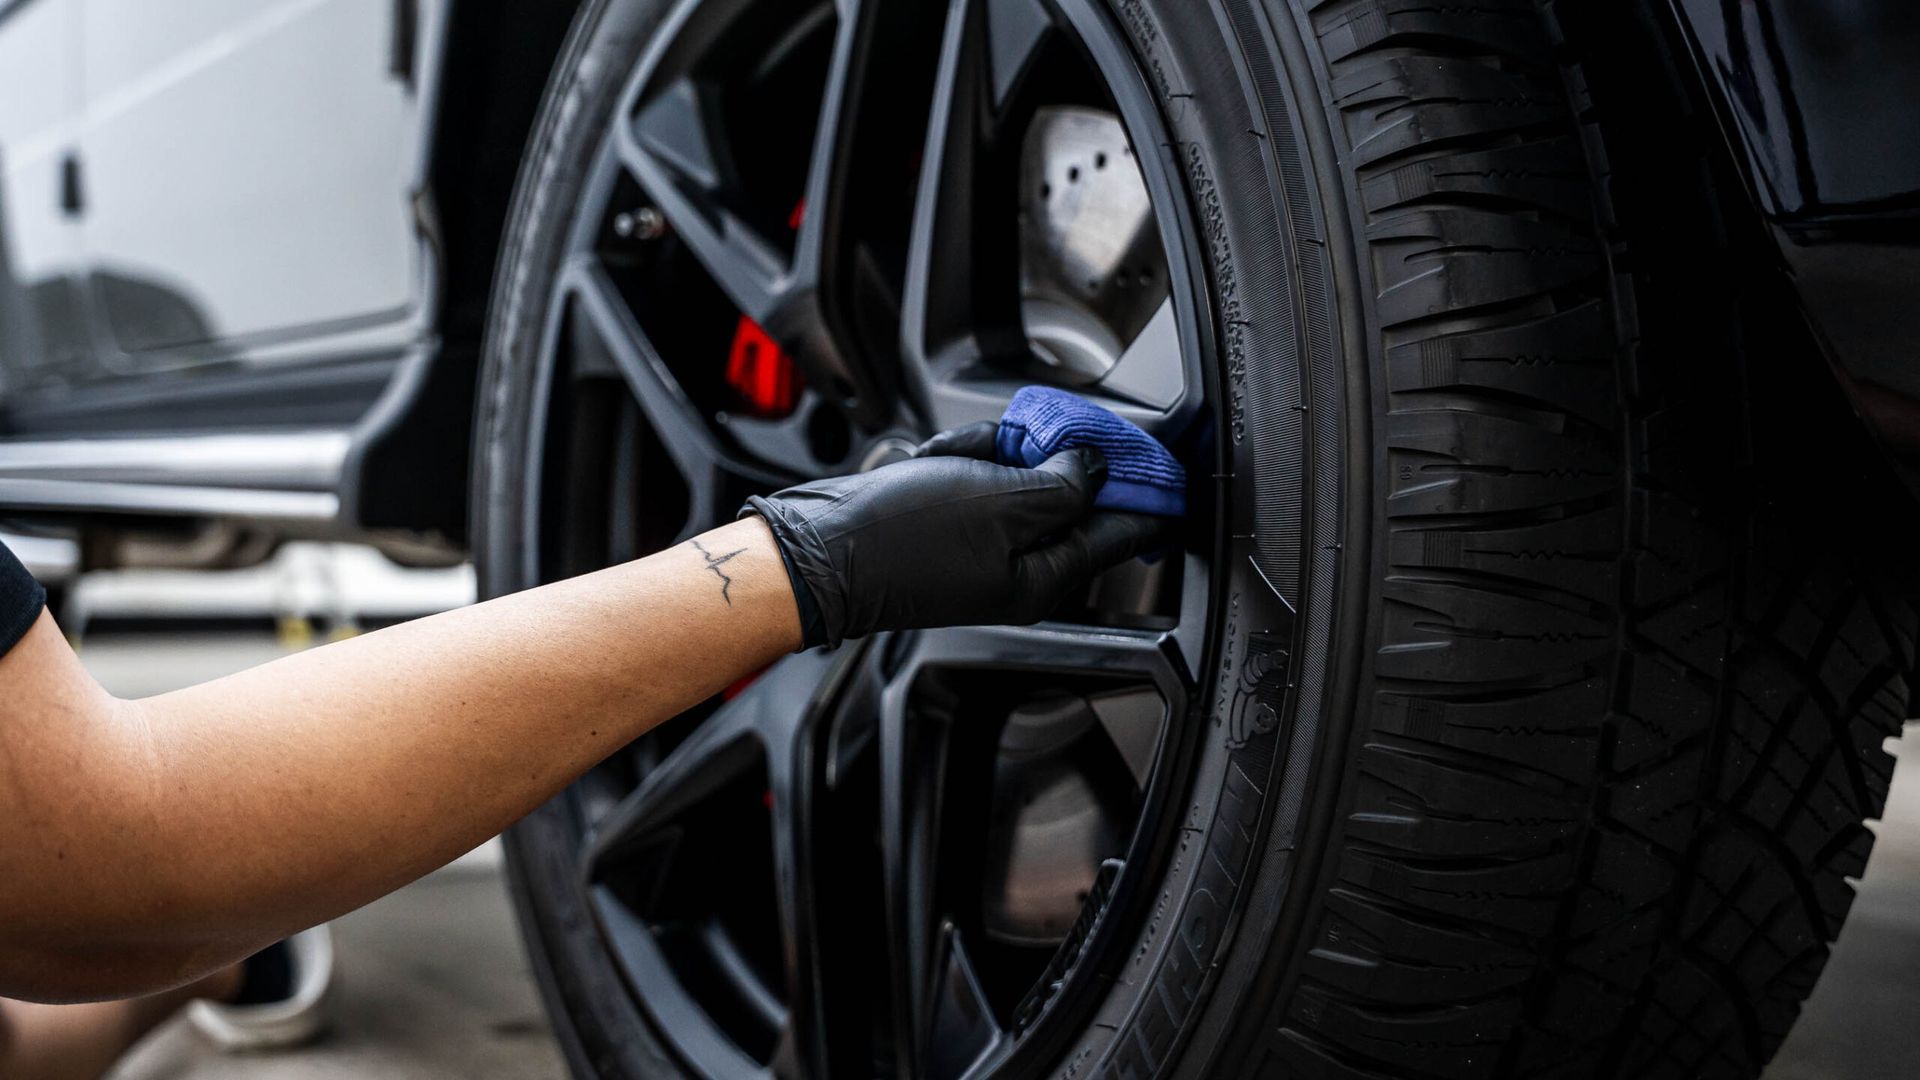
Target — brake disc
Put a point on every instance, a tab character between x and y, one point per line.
1092	271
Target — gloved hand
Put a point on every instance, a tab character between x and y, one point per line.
948	538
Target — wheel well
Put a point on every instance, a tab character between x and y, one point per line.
1674	179
410	466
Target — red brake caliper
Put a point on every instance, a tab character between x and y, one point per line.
758	369
761	372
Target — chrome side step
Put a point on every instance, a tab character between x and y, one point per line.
293	476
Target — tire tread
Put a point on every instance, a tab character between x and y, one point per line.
1623	736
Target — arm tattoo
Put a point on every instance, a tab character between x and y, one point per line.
714	563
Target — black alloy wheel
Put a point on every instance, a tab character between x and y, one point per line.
812	235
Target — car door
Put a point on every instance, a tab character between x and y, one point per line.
245	174
43	333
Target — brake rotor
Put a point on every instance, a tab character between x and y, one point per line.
1066	777
1092	269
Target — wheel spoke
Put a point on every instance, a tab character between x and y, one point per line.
912	783
602	319
778	720
876	89
671	140
768	718
1143	375
831	180
933	1000
676	145
719	751
624	536
957	306
673	149
814	683
649	974
1149	656
961	1025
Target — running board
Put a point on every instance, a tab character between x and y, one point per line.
290	477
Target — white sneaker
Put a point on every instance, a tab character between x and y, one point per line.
289	1021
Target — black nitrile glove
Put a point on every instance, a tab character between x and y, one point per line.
947	539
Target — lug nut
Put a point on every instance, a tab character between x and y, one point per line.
646	223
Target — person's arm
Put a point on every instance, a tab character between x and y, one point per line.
143	843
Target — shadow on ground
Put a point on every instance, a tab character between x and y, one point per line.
433	985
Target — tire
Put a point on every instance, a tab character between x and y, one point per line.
1562	767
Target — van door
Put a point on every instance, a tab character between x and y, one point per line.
43	331
247	168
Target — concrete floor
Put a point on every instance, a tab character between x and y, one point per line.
434	985
1859	1023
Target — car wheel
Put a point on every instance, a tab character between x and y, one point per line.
1469	729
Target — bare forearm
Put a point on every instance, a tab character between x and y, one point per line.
234	812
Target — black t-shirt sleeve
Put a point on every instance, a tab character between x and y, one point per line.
21	599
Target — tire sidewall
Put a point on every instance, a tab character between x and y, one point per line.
1295	436
594	1015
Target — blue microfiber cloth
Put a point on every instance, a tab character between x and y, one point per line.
1142	476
